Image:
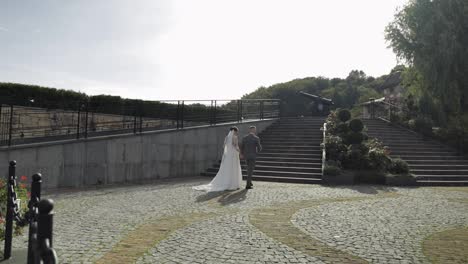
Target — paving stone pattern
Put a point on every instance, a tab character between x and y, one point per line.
171	223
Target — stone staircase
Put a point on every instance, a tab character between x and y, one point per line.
291	152
431	162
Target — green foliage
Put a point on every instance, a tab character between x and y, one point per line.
421	125
354	138
344	115
22	195
342	128
378	159
348	147
356	125
398	166
345	93
355	159
431	37
335	148
331	170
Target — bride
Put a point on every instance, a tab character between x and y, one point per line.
229	176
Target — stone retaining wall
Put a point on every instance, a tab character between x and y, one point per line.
124	158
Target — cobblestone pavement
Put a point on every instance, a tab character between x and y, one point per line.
171	223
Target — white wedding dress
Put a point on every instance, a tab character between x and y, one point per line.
229	176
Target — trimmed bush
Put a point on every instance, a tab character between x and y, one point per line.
344	115
398	166
342	128
378	160
354	138
421	125
356	125
331	170
355	160
334	148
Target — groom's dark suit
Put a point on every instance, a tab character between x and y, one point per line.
249	148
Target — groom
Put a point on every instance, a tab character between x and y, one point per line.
249	148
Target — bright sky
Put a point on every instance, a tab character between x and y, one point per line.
185	49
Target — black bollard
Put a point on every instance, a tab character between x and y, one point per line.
44	231
9	213
45	220
33	203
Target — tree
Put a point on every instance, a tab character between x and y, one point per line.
432	37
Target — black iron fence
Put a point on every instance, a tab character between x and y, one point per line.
39	217
22	125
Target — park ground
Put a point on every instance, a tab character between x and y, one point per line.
168	222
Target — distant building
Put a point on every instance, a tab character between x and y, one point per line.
393	91
319	105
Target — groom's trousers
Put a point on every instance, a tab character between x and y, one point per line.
250	169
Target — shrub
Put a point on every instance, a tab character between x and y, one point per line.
354	159
334	148
356	125
342	128
378	159
21	193
421	125
344	115
398	166
354	138
331	170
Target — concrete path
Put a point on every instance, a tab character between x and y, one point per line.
273	223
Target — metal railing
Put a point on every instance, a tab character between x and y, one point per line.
324	148
39	217
22	125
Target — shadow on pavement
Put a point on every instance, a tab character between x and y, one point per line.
224	197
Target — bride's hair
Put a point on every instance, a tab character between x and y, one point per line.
234	128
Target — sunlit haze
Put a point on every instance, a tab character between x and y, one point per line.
204	49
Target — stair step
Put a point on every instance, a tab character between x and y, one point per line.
433	166
424	157
424	153
289	159
436	162
442	182
420	148
311	150
441	178
278	173
439	172
259	167
290	164
292	155
268	144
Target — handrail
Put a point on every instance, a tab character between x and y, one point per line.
324	149
96	117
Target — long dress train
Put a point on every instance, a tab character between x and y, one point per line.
229	176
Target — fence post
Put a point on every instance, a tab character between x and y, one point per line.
78	122
177	114
211	114
261	109
9	213
238	111
372	108
241	111
33	203
86	120
214	117
134	121
45	222
182	114
10	129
